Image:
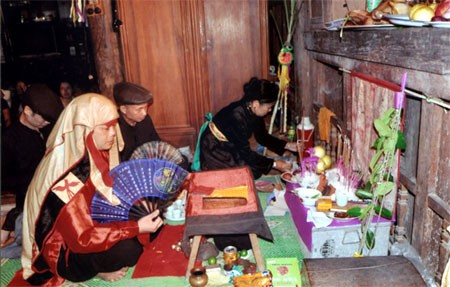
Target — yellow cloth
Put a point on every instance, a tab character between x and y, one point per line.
324	124
66	146
239	191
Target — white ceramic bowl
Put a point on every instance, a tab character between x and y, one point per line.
309	196
310	180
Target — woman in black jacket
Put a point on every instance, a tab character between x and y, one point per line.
225	143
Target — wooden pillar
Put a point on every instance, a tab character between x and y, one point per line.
303	67
105	43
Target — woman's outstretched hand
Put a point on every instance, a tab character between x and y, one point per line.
282	165
150	223
291	146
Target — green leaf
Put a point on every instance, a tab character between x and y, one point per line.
363	194
378	143
375	158
382	128
375	174
388	177
354	211
387	116
401	142
383	188
370	239
364	212
386	213
389	146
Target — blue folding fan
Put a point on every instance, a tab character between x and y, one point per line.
142	185
158	150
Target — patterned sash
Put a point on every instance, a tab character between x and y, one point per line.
217	133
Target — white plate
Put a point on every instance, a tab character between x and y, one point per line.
369	27
439	24
408	23
396	16
334	25
289	177
331	215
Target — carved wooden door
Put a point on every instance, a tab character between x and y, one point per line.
194	56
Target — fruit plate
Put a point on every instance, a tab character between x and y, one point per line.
264	186
339	216
369	27
409	23
440	24
289	177
396	16
335	25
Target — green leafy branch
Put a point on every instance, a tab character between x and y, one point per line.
390	139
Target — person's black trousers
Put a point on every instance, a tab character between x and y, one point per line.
81	267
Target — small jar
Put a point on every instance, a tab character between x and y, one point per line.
198	277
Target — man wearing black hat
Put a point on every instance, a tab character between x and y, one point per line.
23	147
135	124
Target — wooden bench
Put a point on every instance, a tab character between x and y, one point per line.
376	271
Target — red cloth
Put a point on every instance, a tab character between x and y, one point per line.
18	280
205	182
159	259
75	230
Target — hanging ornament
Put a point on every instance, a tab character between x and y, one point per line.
77	11
285	58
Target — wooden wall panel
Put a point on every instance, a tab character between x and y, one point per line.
154	44
194	56
234	45
426	172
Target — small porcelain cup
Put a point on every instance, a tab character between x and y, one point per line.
341	198
170	209
178	203
176	213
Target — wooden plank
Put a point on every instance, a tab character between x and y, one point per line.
417	80
377	271
427	172
409	183
429	47
257	252
439	206
193	254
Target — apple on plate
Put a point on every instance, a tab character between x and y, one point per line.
319	151
438	19
424	13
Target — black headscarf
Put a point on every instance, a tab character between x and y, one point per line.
261	90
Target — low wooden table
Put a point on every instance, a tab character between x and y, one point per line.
376	271
248	219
